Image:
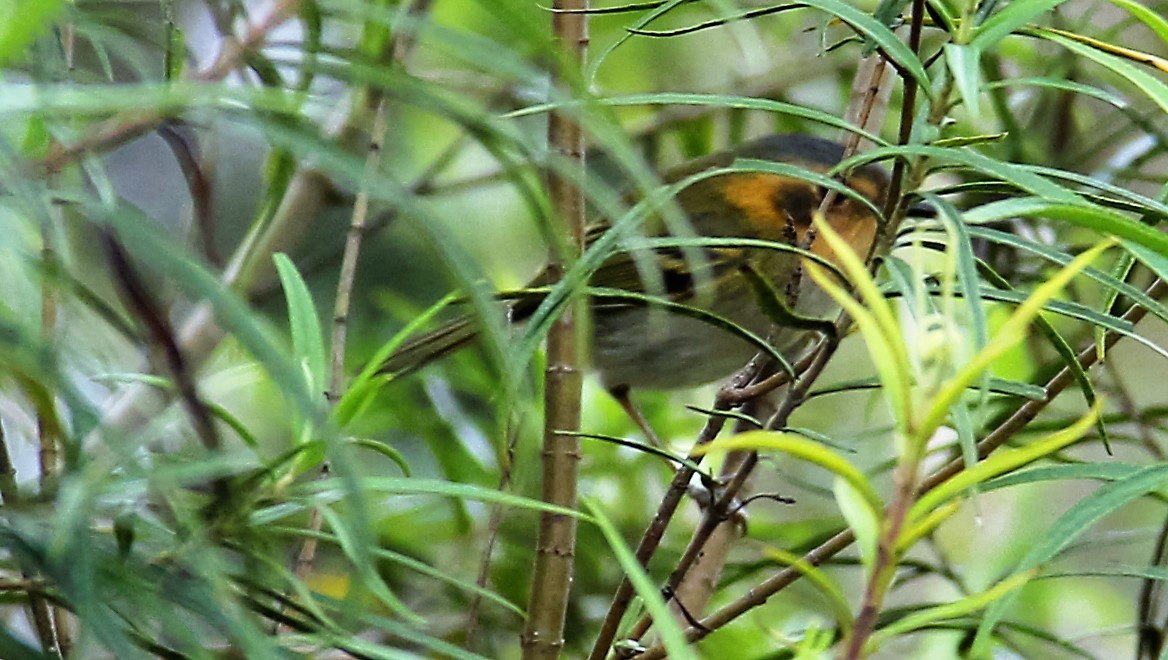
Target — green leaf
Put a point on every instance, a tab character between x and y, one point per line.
831	591
1090	510
176	45
1064	85
967	279
965	66
804	449
1155	260
1114	285
307	341
966	436
1094	471
1138	203
891	45
877	322
1066	353
411	563
144	240
1015	175
329	490
863	520
999	463
361	558
1144	81
644	448
1009	334
386	451
958	608
1016	15
917	528
996	386
365	385
657	10
707	100
1142	572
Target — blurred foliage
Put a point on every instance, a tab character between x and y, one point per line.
163	408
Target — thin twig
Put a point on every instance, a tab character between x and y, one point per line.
907	114
147	311
198	186
49	450
718	513
494	524
47	427
1150	636
345	281
398	50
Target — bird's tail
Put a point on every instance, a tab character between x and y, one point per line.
419	351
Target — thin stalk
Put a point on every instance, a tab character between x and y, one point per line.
59	642
494	524
397	51
887	558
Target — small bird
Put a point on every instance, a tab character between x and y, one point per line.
635	346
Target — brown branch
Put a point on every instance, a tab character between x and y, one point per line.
146	310
907	113
494	524
887	558
741	466
345	281
46	426
198	185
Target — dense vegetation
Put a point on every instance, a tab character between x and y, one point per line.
218	219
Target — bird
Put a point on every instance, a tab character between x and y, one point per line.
634	346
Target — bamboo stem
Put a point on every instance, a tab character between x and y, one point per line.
551	581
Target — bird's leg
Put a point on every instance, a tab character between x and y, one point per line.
621	394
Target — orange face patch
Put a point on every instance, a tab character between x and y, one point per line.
755	195
780	208
857	228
